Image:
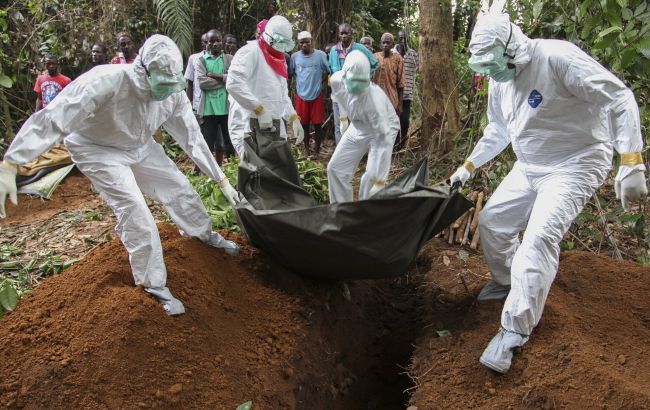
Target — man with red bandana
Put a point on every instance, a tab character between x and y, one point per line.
257	83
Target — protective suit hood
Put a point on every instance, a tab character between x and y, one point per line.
157	53
279	25
278	34
495	30
356	70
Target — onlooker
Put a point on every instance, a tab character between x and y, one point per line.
411	67
390	75
127	53
194	92
211	72
337	57
49	84
311	68
367	42
98	54
230	46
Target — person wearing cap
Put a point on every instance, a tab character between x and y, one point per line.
367	43
106	118
310	67
563	114
390	74
257	83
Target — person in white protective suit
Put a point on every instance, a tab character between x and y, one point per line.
563	114
257	84
369	125
107	118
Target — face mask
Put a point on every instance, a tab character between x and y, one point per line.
280	42
493	61
163	85
504	75
356	84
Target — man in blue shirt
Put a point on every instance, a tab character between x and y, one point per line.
337	57
310	67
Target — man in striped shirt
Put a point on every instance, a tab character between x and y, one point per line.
411	68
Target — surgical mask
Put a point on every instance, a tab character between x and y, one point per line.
356	84
280	42
493	61
163	84
504	75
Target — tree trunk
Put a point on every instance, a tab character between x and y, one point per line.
439	111
322	18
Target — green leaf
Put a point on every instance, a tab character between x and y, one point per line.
640	8
8	296
614	19
608	31
245	406
622	3
627	56
603	44
584	6
627	14
537	9
5	81
639	227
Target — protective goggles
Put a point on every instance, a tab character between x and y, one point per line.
280	42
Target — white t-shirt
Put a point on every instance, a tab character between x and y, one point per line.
190	75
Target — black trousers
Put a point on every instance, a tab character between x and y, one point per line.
215	132
404	122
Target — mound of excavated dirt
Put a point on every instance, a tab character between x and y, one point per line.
88	338
590	349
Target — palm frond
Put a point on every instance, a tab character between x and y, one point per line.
176	18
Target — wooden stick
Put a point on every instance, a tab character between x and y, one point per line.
477	209
461	227
451	236
475	240
467	226
461	219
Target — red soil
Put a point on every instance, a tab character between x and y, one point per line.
590	349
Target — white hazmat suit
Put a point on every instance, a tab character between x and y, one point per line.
257	91
107	118
563	114
373	127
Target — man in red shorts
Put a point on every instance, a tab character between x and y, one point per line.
310	67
